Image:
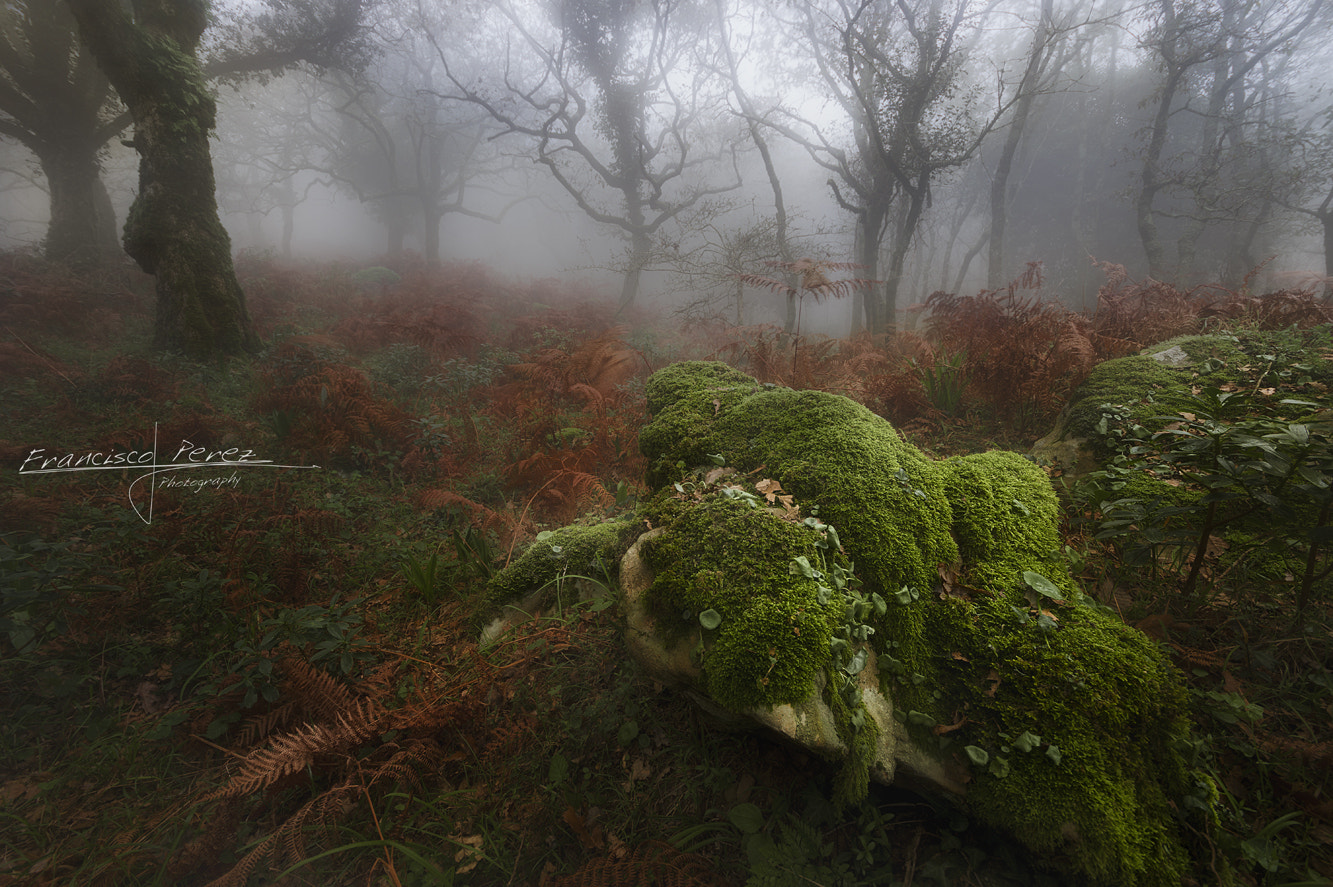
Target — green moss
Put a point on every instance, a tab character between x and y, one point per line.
735	559
1101	693
1005	516
593	550
826	450
1138	382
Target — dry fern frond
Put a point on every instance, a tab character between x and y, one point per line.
319	694
257	727
293	752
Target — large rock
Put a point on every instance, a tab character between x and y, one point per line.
1141	388
905	616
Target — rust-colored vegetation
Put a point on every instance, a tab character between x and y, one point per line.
287	665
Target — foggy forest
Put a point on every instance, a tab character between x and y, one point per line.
332	331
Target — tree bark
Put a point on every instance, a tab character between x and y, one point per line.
173	231
999	196
82	230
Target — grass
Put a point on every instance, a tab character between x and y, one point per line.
144	662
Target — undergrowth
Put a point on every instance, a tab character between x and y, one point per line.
218	683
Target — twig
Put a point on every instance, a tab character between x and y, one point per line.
40	357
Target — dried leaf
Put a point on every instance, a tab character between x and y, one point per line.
469	854
588	832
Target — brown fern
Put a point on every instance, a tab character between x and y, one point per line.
342	743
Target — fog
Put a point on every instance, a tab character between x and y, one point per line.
638	151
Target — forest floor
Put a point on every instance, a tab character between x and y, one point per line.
221	675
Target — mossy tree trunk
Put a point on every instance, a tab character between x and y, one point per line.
173	231
58	104
83	223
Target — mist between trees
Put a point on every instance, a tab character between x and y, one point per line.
665	149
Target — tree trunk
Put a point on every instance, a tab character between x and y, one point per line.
999	196
83	225
430	234
1326	219
869	235
640	246
1150	183
173	230
903	234
288	227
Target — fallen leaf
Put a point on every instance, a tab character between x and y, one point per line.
994	680
718	473
588	832
146	693
638	769
23	787
470	851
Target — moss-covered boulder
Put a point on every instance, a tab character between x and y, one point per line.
560	567
807	557
1140	388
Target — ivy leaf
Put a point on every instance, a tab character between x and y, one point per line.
1053	752
1027	741
747	818
978	756
1043	586
920	719
801	566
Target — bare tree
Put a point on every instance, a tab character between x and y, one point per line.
750	111
411	155
616	111
1218	44
897	71
1046	56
